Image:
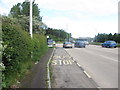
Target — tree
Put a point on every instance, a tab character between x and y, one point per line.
21	13
57	34
110	37
24	10
16	10
104	37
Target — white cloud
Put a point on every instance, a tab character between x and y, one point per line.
3	11
98	7
7	5
83	13
85	28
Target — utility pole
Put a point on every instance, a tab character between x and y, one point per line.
30	22
31	18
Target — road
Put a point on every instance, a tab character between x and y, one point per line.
66	73
100	63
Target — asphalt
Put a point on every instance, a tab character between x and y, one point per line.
37	77
66	73
100	63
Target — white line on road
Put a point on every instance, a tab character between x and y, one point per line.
78	64
87	74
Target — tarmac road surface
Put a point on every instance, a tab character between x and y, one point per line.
66	73
100	63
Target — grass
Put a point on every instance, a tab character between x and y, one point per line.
95	43
98	43
51	73
26	66
118	45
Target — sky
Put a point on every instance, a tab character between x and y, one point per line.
82	18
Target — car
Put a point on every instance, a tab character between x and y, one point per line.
54	43
80	44
67	45
86	42
50	43
109	44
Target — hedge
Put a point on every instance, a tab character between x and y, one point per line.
20	50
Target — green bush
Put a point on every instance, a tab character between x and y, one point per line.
118	45
20	51
95	43
40	46
17	50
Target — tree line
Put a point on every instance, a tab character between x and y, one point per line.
58	34
21	11
101	37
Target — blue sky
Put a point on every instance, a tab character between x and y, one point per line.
82	18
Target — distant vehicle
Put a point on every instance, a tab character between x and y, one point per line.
86	42
80	44
67	45
54	43
109	44
50	43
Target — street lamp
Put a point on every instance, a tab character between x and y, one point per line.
30	28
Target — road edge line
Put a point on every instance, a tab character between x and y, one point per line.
97	86
48	70
78	64
87	74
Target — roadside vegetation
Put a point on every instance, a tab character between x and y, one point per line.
18	50
100	38
58	35
104	37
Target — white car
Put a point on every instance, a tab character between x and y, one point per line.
54	43
86	42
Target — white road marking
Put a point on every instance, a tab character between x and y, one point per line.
61	62
70	61
87	74
78	64
65	62
54	62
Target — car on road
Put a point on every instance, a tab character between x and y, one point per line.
67	45
54	43
80	44
50	43
86	42
109	44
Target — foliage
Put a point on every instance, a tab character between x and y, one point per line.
21	12
57	34
40	46
105	37
37	25
20	51
24	10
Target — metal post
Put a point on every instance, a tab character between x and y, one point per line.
31	18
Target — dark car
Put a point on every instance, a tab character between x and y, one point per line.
80	44
109	44
67	45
